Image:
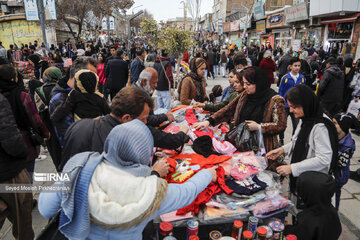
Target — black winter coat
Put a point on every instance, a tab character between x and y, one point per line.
13	151
331	87
117	74
90	135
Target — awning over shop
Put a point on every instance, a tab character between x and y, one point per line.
349	18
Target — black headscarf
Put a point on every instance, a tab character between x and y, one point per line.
195	63
255	103
12	90
303	95
319	219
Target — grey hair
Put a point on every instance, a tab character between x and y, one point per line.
145	75
81	63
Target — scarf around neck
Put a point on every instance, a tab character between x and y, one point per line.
313	114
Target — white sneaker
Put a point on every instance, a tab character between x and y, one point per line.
40	158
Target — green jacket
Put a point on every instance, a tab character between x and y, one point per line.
216	107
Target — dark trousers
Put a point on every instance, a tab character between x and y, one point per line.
294	122
17	207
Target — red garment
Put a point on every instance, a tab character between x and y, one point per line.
269	66
197	159
206	195
186	57
101	73
191	119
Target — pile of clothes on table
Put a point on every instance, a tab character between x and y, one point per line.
243	187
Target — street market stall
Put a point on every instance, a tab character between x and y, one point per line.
244	191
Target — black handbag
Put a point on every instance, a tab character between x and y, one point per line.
36	139
243	139
51	230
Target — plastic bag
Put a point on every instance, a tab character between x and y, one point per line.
260	140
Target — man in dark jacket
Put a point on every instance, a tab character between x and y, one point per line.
137	65
117	74
162	89
284	65
213	63
13	155
130	103
331	87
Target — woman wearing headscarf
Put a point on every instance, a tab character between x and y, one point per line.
259	105
27	118
319	219
96	208
268	65
349	75
313	146
193	85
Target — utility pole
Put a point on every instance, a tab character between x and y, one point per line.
42	21
184	14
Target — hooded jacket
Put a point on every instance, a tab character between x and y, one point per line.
319	219
331	85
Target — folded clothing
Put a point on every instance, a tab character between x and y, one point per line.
171	216
224	147
248	186
270	204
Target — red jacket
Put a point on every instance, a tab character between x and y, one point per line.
269	66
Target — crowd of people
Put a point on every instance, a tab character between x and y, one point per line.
99	123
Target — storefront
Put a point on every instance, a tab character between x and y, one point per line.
341	34
280	32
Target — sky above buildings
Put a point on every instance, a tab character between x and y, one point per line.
165	9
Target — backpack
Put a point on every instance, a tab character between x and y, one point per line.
41	99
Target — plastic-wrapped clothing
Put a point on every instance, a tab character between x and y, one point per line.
206	195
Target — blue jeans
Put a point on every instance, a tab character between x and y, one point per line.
215	70
163	99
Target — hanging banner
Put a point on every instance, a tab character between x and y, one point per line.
297	13
235	26
104	23
260	27
112	23
295	44
226	27
245	22
259	10
31	10
50	9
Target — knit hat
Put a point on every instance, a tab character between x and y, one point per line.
203	146
86	81
34	58
55	73
345	121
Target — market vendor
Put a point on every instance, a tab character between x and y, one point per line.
259	105
237	84
314	144
103	213
193	85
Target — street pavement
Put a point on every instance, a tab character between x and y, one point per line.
349	205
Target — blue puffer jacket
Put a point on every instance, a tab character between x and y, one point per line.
345	153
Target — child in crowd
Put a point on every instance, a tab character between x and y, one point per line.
292	78
343	122
84	101
319	219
